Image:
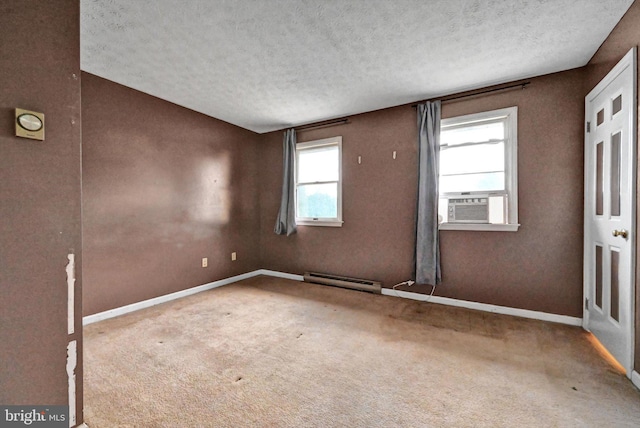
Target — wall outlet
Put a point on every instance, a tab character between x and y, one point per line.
205	262
233	256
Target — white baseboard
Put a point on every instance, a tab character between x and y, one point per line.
280	274
90	319
635	378
562	319
505	310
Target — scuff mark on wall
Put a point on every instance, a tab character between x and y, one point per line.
71	281
72	361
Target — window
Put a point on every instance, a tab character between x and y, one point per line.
478	171
319	182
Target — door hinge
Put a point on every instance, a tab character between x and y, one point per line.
586	304
588	126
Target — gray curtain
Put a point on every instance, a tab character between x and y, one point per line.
286	221
427	255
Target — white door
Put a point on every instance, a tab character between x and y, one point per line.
609	219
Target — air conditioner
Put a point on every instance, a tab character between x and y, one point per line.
468	210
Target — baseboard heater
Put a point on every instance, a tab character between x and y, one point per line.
344	282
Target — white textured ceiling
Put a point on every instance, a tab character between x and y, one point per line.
270	64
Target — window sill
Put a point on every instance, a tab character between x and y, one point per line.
319	223
480	227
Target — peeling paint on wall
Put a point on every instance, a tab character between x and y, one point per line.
71	281
72	347
72	361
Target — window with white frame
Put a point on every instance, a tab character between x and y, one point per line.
319	182
479	171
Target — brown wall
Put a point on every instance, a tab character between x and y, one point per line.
624	36
163	187
39	200
379	200
537	268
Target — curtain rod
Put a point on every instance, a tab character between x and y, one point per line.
461	95
342	121
345	120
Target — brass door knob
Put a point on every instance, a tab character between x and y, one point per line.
621	232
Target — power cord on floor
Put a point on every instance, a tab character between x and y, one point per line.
409	283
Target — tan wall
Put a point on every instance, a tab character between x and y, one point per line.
624	36
39	201
537	268
163	187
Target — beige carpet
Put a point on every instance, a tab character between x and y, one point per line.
269	352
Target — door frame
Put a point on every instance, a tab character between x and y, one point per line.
629	60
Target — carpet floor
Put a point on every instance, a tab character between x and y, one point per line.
269	352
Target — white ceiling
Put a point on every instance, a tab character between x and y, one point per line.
271	64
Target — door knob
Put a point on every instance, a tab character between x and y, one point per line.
621	232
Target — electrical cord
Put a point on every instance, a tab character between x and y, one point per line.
410	283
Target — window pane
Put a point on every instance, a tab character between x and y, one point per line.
469	159
472	133
478	158
317	200
472	183
318	164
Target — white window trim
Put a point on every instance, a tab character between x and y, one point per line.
511	169
306	221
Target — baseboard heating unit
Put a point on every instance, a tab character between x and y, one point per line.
344	282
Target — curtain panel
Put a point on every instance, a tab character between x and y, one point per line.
286	221
427	253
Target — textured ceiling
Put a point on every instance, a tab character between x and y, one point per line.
270	64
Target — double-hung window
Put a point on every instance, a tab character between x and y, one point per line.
319	182
478	171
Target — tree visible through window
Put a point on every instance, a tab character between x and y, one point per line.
318	182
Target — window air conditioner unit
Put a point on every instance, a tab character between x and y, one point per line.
468	210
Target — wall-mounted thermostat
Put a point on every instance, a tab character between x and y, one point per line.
29	124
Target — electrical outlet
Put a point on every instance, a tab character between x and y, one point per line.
233	256
205	262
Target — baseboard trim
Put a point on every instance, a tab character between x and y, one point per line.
635	378
112	313
280	274
505	310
